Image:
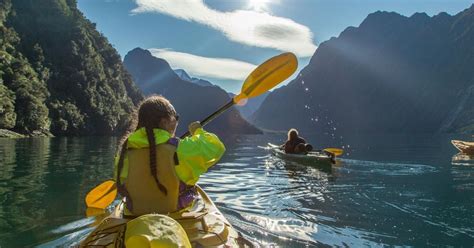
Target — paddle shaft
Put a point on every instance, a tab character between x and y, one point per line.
213	116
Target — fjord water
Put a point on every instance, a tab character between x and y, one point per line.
387	190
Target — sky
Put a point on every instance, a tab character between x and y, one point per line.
224	40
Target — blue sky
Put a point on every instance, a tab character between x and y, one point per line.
223	40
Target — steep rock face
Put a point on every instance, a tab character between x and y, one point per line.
59	73
391	74
193	102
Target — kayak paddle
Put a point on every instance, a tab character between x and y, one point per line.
102	195
261	79
335	151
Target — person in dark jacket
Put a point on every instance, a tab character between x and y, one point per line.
296	144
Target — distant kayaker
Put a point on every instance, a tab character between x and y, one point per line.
158	172
296	144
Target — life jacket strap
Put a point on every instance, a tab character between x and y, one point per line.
122	190
174	141
187	194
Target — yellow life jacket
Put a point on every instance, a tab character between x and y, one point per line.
178	164
141	186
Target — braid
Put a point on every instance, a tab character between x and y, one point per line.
153	169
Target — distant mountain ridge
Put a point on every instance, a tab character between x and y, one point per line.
390	74
192	101
184	75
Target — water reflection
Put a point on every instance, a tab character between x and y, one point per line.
43	182
407	194
22	184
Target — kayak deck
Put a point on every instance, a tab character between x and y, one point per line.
464	146
204	225
312	158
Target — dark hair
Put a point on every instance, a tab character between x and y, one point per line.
153	112
292	134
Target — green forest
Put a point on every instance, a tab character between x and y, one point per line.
58	74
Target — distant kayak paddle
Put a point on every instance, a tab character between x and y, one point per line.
335	151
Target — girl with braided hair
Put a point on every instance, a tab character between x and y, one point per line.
155	171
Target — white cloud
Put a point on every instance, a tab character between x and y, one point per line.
244	26
218	68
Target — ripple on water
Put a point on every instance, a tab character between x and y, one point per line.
356	203
388	169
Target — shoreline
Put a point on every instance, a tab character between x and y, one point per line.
5	133
9	134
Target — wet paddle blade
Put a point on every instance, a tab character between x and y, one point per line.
92	212
268	75
335	151
102	196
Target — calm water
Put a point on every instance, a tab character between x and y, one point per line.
387	190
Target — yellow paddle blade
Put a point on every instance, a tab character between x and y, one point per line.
102	195
92	212
335	151
268	75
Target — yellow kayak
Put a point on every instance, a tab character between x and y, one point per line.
464	146
202	226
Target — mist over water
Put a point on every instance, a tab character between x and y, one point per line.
390	190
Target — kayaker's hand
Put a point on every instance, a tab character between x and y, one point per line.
194	126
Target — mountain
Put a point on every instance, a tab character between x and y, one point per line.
58	73
246	110
184	75
252	105
193	102
391	74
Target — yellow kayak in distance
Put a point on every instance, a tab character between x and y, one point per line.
202	226
464	146
316	158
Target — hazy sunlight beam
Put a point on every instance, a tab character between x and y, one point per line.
258	5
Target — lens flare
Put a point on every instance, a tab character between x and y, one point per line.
258	5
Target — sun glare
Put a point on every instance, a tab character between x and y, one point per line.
258	5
